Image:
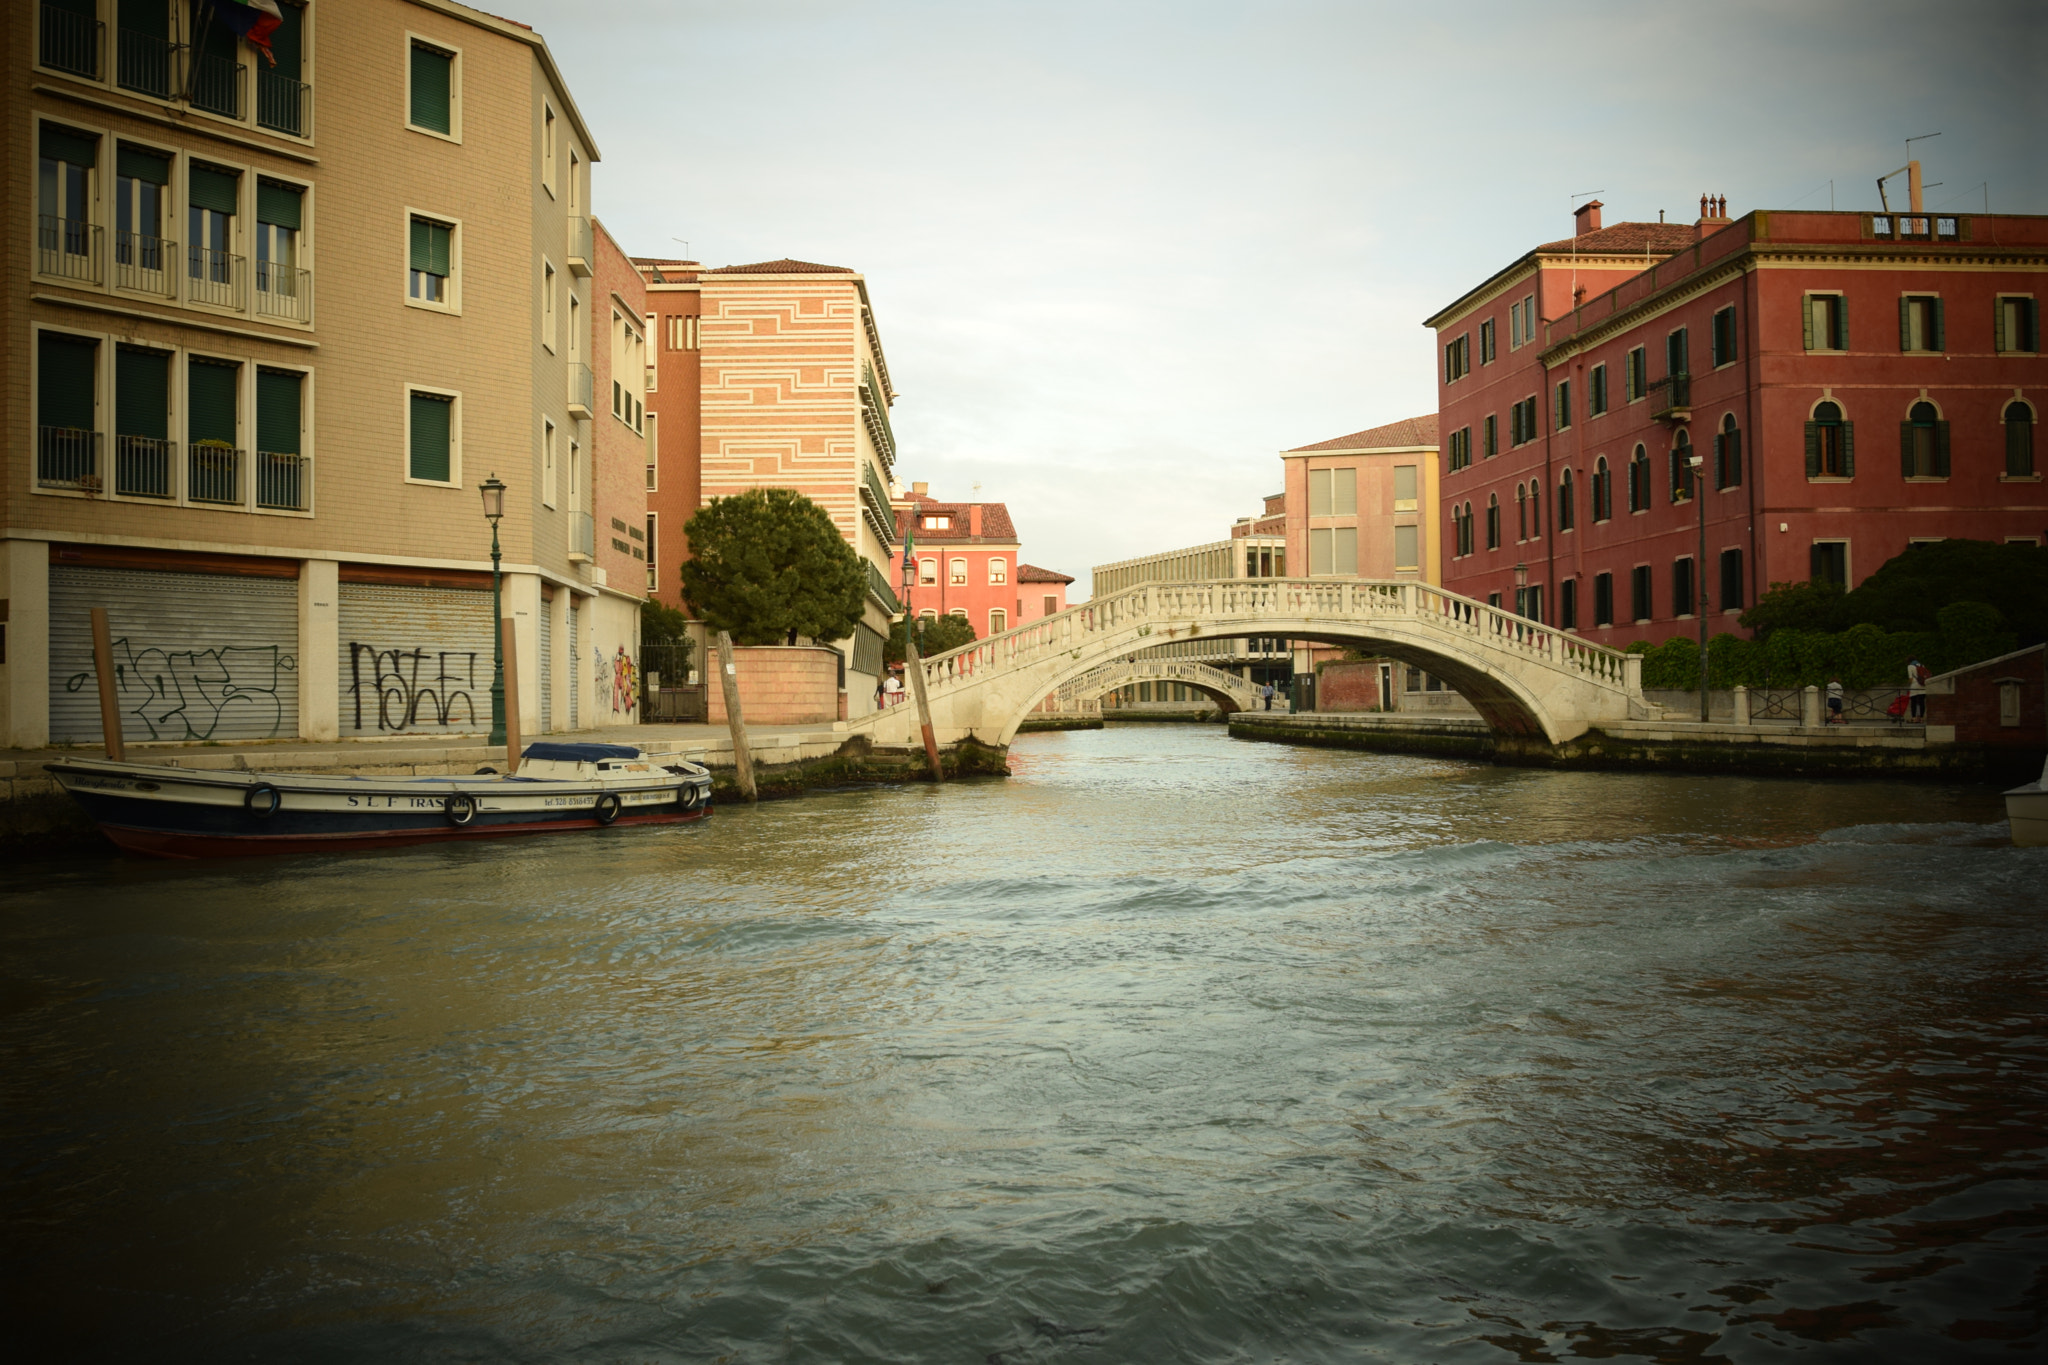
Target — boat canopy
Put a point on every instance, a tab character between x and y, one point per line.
580	753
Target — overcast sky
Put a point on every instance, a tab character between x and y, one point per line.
1122	254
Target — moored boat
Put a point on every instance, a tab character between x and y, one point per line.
2027	808
174	812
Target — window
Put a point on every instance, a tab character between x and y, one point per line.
1603	599
1407	547
547	304
1563	414
1830	444
1522	323
1923	443
1568	604
574	465
928	571
1459	449
431	437
652	382
280	89
1522	422
653	574
1728	454
576	191
547	148
71	37
1333	550
282	289
1827	322
1639	593
1049	606
213	454
960	612
145	458
433	103
998	571
1731	581
1675	352
1333	492
1521	513
213	268
928	614
1535	510
1724	337
216	70
1596	391
1461	530
653	451
1458	359
1493	521
998	621
2019	440
958	575
1639	481
141	214
1829	562
1567	512
1920	323
283	475
1683	601
547	462
431	262
67	242
1635	374
1486	346
1603	490
1682	486
1492	435
1404	488
682	332
2017	325
938	523
67	411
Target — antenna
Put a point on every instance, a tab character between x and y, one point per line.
1911	140
686	248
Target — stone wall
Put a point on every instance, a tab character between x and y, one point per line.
781	685
1971	709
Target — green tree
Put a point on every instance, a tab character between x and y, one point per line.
769	565
1909	591
1816	605
664	627
938	636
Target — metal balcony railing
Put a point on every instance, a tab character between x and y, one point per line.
143	264
67	457
217	86
583	535
879	589
284	291
580	248
582	387
874	410
142	466
69	249
71	42
215	277
1671	396
214	473
875	497
281	102
145	63
284	483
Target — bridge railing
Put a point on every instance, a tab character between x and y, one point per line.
1107	677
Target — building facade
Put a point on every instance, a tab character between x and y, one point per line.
967	564
270	320
1255	549
605	473
1648	422
1040	592
1364	505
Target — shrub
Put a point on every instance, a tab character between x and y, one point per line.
938	636
769	565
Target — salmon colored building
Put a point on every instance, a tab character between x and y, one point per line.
1850	383
1040	592
1364	505
966	561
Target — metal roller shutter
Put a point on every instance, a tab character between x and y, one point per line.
547	667
197	656
575	658
414	660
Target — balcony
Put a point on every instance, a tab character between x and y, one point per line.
142	466
580	250
69	249
582	385
874	411
281	102
879	589
582	537
1671	399
144	264
214	474
284	483
215	278
875	503
284	292
217	86
71	42
145	63
68	457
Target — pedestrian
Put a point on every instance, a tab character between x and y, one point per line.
1267	693
1835	702
1916	688
892	690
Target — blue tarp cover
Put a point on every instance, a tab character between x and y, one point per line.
580	753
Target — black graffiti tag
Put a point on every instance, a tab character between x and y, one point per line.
412	686
188	693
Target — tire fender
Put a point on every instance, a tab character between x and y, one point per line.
461	808
262	800
607	808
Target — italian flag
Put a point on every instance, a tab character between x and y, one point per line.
254	20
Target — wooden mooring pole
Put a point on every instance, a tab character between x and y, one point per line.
729	688
914	666
110	700
509	639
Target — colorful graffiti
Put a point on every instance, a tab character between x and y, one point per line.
191	694
622	677
408	691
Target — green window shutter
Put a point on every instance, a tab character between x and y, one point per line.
1906	449
1939	341
207	188
1941	450
431	429
2019	447
432	77
65	385
2030	323
1905	324
1734	458
219	41
135	163
1811	304
1812	450
288	40
210	406
1999	341
277	411
150	18
1842	323
430	247
279	204
63	144
1816	563
142	393
1848	450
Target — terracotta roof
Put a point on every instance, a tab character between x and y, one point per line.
785	266
1031	573
1629	239
1410	431
995	520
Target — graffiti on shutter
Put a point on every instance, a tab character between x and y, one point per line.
414	660
547	667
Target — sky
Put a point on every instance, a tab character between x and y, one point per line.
1122	254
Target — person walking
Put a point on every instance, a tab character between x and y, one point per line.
1835	702
1267	693
1916	688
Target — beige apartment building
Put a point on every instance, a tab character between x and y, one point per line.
1254	550
269	324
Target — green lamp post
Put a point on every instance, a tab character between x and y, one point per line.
493	490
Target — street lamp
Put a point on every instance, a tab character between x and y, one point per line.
493	490
1521	589
1693	463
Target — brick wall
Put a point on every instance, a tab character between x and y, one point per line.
781	685
1348	685
1975	706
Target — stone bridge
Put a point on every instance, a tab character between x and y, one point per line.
1526	679
1227	690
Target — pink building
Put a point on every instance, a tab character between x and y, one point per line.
1040	592
966	561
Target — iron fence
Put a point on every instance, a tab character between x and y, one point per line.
142	466
145	63
214	473
71	42
68	248
281	102
67	457
284	483
143	264
215	277
217	86
284	291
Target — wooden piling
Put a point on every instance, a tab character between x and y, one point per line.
729	688
914	667
509	636
110	701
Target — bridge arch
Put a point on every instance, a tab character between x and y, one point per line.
1230	692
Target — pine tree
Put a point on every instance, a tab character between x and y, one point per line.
769	565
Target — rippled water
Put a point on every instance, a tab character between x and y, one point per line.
1168	1048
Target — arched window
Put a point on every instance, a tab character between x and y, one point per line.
1493	521
1565	511
1681	468
959	573
998	570
928	614
960	612
927	570
1830	444
2019	440
1468	534
1728	454
1521	514
1535	514
1639	481
1923	443
998	621
1603	490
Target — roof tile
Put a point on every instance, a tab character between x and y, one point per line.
1409	431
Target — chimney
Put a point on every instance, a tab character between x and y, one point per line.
1587	215
919	490
974	519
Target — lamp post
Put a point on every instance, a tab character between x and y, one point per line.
1693	463
493	490
1521	589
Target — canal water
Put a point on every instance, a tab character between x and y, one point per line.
1168	1048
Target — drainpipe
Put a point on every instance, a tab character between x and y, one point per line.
1549	400
1753	457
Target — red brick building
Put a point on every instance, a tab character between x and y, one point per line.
1850	383
2002	702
